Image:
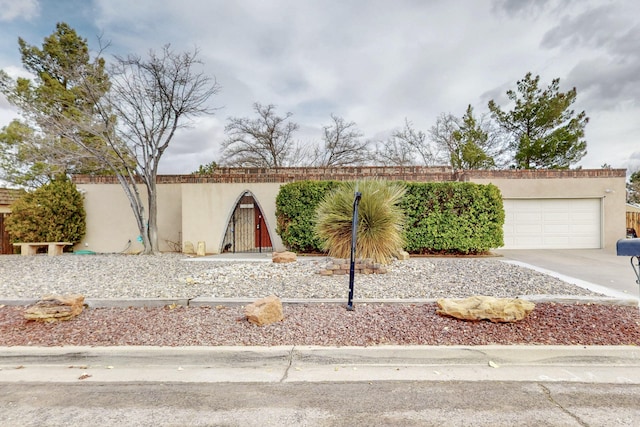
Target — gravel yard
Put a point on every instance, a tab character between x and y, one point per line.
170	276
173	276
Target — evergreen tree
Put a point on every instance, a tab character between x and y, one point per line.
470	140
633	188
542	129
53	212
30	151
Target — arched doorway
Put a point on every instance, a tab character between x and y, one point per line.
247	230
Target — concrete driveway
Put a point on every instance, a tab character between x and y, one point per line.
583	267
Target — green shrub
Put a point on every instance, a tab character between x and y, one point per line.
52	213
380	219
453	217
440	217
295	212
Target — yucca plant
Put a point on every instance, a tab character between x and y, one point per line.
380	220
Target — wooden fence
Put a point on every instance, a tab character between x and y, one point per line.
5	244
633	221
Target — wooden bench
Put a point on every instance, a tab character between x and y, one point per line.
31	248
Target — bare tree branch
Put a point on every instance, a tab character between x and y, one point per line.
266	141
342	145
407	147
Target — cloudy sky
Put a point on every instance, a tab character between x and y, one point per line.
374	62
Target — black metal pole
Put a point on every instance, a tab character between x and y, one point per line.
260	233
354	229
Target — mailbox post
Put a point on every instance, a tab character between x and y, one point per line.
354	232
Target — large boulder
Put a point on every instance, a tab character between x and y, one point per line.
284	257
265	311
52	308
486	308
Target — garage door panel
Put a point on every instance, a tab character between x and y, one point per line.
521	229
558	228
556	217
552	223
527	216
556	241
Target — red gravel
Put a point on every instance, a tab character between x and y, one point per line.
328	325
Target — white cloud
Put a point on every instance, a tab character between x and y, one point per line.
378	62
22	9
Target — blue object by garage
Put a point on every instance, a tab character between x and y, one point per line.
630	247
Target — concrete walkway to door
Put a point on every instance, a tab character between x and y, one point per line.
583	267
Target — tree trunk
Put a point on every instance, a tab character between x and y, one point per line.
152	225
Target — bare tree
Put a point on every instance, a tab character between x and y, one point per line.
407	147
153	98
393	152
129	127
266	141
342	145
442	133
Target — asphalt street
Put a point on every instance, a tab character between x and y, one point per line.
377	403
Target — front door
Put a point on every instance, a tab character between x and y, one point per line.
247	230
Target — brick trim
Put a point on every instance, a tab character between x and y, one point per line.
402	173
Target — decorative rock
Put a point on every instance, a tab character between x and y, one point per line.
202	249
188	248
402	255
264	311
284	257
483	307
52	308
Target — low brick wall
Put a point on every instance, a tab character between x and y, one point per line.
396	173
341	266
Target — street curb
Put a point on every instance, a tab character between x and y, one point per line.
286	364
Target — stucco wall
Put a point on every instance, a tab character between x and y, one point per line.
207	208
197	208
610	190
111	224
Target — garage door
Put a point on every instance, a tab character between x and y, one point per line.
552	223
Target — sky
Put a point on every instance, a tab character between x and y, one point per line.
374	62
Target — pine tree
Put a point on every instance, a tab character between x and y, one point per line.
543	131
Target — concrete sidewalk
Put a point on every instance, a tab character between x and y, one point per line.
293	364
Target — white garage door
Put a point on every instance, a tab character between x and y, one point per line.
552	223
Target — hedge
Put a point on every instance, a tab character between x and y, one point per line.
441	217
295	212
453	217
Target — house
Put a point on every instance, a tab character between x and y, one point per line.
234	208
7	196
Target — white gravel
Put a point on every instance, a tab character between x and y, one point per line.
173	276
